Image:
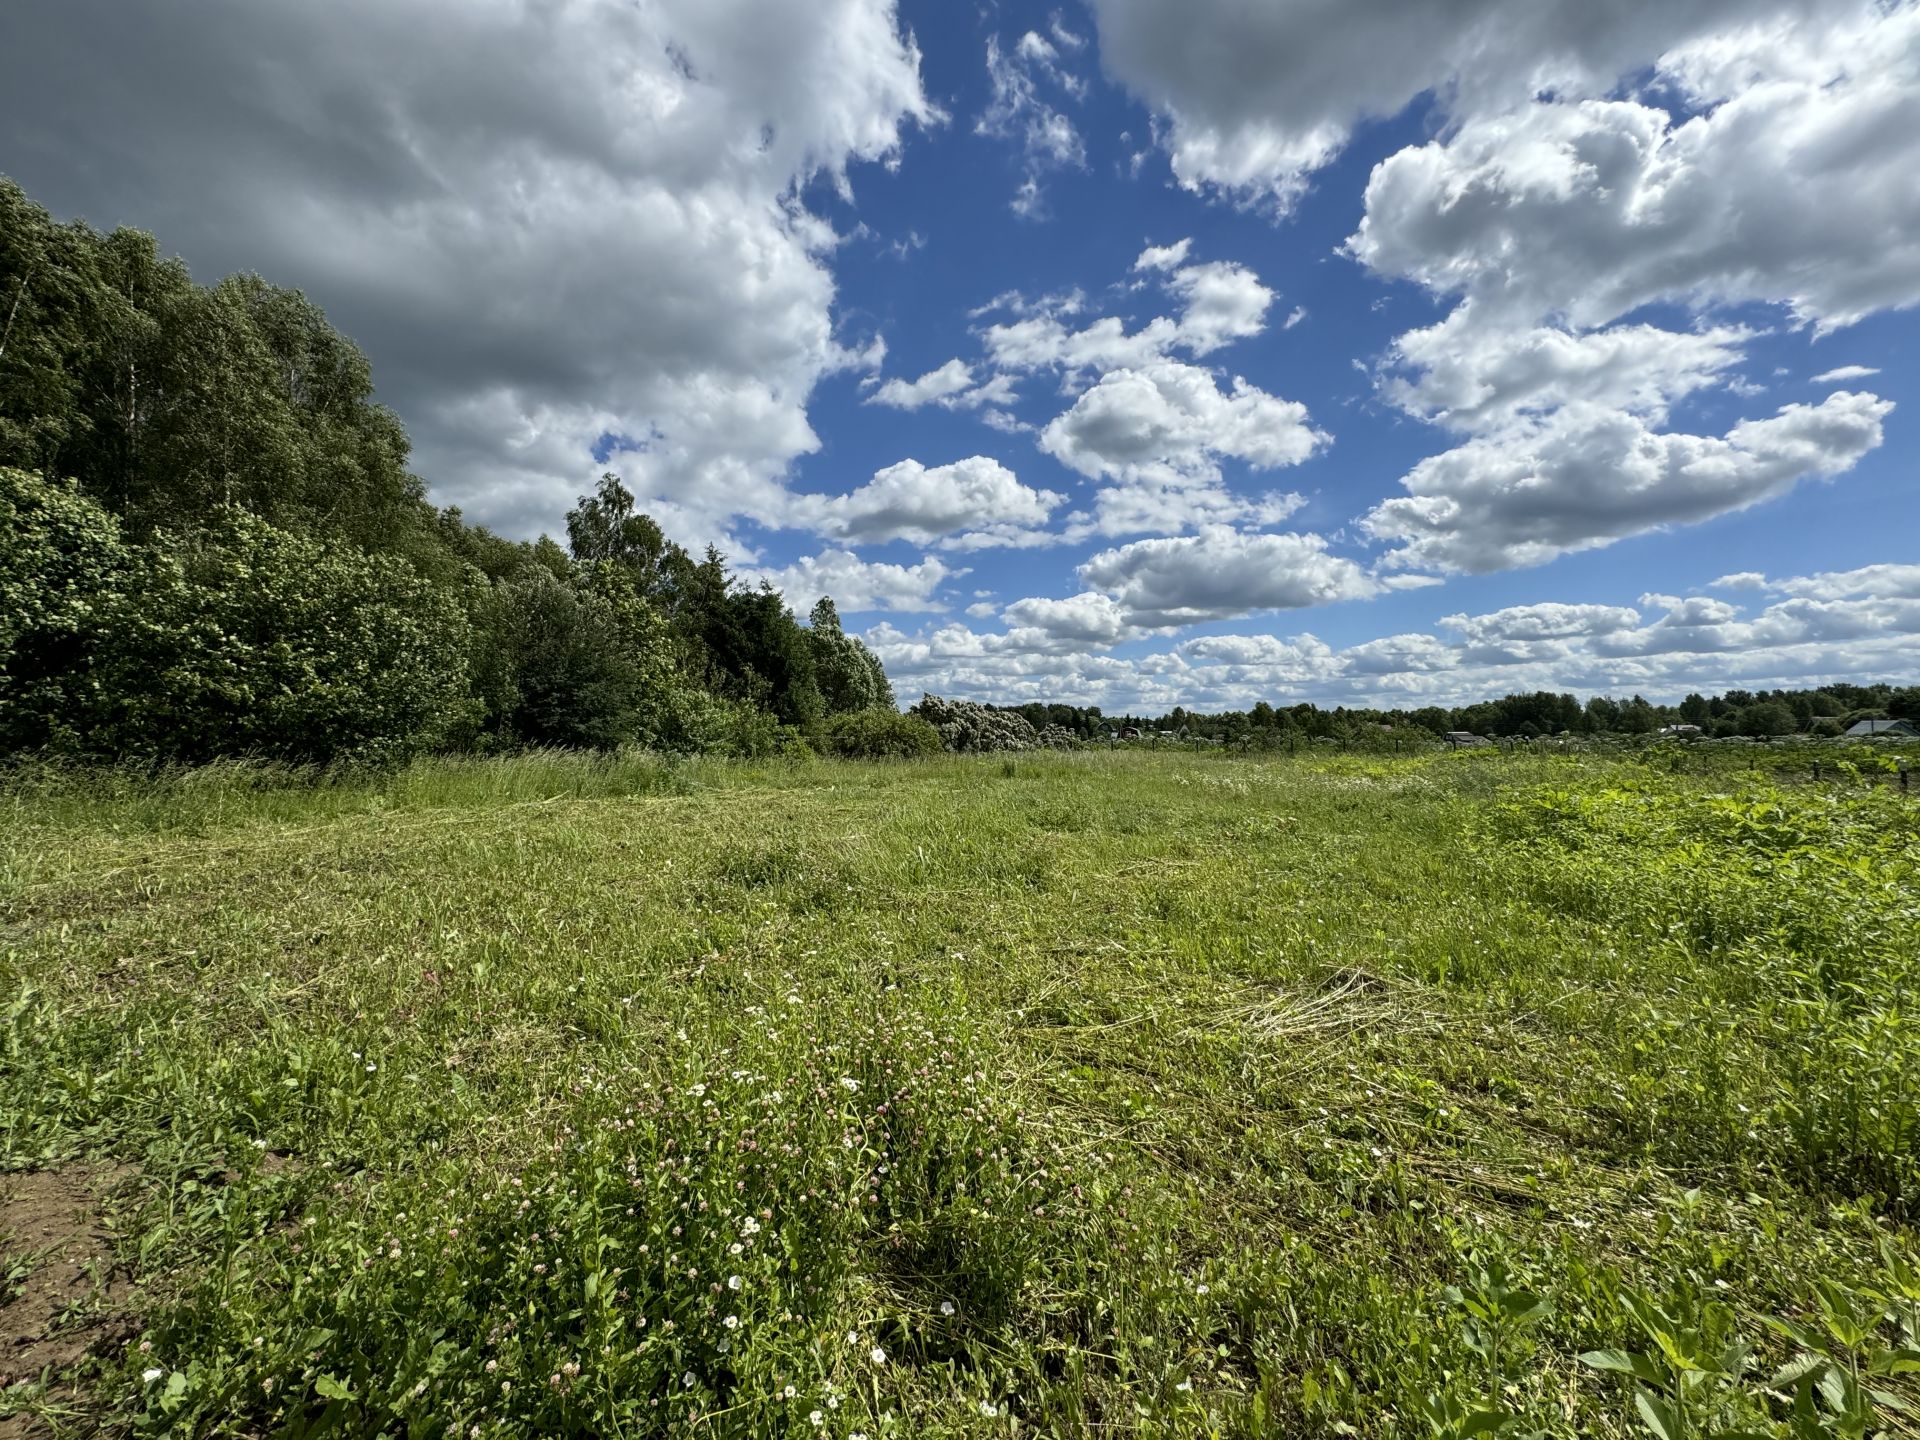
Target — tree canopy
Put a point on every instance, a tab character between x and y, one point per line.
211	544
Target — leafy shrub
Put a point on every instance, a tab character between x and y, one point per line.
244	641
255	641
966	725
880	734
578	662
63	567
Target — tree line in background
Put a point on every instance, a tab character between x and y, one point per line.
210	545
1756	713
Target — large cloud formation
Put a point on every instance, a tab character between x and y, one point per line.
975	504
1588	476
1776	170
1257	97
547	222
1790	182
1762	153
1221	573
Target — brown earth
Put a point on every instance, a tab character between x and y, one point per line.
72	1299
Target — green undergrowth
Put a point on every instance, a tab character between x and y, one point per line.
1093	1094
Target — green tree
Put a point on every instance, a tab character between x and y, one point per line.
166	401
64	569
849	675
566	678
1767	717
1637	717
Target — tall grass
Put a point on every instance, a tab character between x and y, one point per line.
1158	1094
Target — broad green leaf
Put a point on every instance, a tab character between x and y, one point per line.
1658	1414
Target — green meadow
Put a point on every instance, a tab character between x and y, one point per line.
1074	1094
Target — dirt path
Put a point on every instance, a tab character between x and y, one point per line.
62	1297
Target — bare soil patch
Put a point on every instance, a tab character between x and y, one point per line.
62	1295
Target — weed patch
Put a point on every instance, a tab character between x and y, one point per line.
1187	1094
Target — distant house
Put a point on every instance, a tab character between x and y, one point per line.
1459	739
1882	730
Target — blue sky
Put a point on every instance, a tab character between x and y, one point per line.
1444	355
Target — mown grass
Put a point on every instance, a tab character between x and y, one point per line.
1069	1094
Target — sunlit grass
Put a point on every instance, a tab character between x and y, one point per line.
1082	1094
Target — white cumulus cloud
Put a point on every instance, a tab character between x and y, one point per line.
1256	97
1587	476
856	584
977	499
1472	377
1792	187
545	223
1173	423
1219	573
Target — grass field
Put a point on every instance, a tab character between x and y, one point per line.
1073	1094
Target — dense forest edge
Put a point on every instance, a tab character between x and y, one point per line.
211	546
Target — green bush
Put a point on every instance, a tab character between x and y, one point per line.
878	734
252	641
245	640
63	568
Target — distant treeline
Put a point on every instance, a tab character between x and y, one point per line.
211	545
1758	713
